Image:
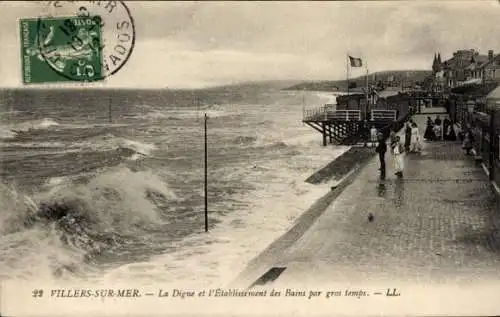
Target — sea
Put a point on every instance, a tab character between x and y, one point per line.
123	170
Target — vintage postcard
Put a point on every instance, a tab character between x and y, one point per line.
244	158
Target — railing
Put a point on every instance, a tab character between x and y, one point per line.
484	127
383	115
315	114
327	113
344	115
484	124
461	111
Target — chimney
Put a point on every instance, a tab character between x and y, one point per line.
490	55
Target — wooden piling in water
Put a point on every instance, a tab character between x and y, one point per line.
323	128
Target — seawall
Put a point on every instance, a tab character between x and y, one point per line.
260	264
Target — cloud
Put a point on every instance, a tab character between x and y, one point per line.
182	67
186	44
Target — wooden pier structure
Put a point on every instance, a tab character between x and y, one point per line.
346	126
349	122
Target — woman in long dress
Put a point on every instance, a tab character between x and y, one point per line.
398	154
429	132
415	139
408	137
446	125
437	131
392	138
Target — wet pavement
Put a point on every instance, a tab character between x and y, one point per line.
438	224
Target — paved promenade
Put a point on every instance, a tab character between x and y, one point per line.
437	224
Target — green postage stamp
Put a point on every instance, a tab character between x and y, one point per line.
59	49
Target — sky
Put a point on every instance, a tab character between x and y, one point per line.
199	44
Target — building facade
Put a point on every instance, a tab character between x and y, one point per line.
491	70
465	67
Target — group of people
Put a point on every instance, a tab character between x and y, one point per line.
439	130
397	151
412	145
412	138
413	141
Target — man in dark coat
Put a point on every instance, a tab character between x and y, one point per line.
429	131
452	136
381	149
407	137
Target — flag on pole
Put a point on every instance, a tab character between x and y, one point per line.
355	62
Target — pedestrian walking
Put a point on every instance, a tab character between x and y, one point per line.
438	128
381	149
446	125
437	131
415	139
450	133
392	138
429	131
398	154
407	137
373	136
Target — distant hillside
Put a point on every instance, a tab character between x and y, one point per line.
238	93
248	85
398	76
255	85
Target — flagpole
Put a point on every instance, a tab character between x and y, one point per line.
347	70
366	90
303	105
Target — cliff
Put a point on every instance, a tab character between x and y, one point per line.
409	77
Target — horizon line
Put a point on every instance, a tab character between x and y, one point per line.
243	82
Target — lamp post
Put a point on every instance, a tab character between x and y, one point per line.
491	158
206	176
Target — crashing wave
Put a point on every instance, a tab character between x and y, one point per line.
42	124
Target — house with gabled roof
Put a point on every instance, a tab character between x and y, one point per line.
455	68
465	67
474	72
491	69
